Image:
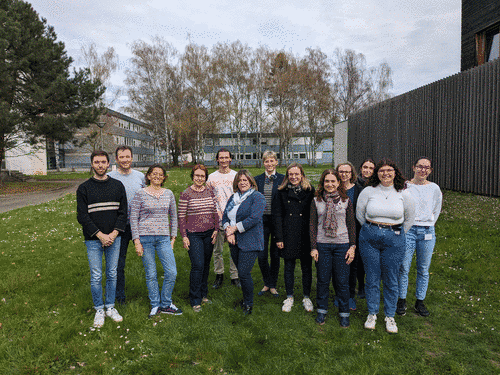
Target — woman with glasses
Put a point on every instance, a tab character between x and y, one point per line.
421	236
386	212
348	176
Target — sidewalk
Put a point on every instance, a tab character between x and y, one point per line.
13	201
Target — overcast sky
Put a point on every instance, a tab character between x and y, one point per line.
420	40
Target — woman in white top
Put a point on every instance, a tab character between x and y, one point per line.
421	236
386	212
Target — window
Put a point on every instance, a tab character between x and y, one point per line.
248	156
488	44
302	156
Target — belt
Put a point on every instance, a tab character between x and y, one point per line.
384	226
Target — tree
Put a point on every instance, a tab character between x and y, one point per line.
39	98
357	86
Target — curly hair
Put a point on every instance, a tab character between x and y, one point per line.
399	180
321	185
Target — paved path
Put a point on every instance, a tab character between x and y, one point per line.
13	201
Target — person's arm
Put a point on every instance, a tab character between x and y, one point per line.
277	216
438	202
172	213
182	213
82	213
257	207
361	205
409	210
350	223
122	213
313	230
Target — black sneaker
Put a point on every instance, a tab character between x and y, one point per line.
219	278
401	307
420	308
236	283
172	310
320	318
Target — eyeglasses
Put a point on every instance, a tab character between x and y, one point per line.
157	175
386	170
423	167
345	172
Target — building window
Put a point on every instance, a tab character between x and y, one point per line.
488	44
302	156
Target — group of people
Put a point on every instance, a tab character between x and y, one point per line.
352	227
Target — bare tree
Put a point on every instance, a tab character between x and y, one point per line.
355	84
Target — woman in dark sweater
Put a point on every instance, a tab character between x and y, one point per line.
291	221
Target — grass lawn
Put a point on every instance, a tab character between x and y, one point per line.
46	309
29	187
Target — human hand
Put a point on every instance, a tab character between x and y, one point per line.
315	254
139	250
280	245
214	236
186	243
349	255
231	239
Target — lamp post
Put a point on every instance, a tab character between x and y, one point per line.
101	124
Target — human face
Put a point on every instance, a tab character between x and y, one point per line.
100	166
367	169
224	159
345	172
156	177
331	184
124	160
243	184
199	178
386	175
294	176
423	169
270	165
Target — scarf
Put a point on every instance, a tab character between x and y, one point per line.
296	189
330	224
234	204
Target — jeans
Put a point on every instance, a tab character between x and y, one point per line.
159	245
331	261
219	259
244	261
382	251
269	273
200	253
126	237
95	251
415	239
306	266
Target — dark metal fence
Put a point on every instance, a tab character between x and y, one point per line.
454	121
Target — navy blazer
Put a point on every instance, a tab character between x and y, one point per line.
249	214
261	179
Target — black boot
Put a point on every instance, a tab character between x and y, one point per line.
420	308
219	278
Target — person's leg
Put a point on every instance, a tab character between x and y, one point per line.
323	272
368	245
341	271
208	249
197	256
246	260
360	273
233	270
289	276
390	262
94	254
167	259
353	273
275	261
306	267
262	258
404	270
425	249
112	253
149	262
218	250
126	237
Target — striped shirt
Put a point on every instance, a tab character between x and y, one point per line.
197	211
152	215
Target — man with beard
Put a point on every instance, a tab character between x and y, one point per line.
102	212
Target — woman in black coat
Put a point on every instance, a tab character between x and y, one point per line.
291	219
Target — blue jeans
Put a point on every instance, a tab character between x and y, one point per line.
306	267
95	251
244	261
200	253
159	245
126	237
415	239
382	251
269	273
331	261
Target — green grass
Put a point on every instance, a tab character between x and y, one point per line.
46	309
62	176
18	187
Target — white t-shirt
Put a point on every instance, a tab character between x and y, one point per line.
222	184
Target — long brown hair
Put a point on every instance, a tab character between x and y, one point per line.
321	185
306	185
399	180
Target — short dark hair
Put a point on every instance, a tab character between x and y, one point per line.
420	158
123	148
150	170
98	153
321	185
199	166
247	174
223	150
399	180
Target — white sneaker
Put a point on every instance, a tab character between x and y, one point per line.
390	325
371	321
113	314
308	305
287	304
99	318
154	311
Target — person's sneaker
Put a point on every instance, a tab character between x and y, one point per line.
172	310
99	318
308	305
219	278
113	314
352	304
371	321
287	304
320	318
390	325
420	308
197	308
361	293
401	307
344	322
154	311
236	283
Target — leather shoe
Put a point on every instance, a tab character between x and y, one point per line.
236	283
219	278
344	322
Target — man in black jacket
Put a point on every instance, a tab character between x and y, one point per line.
102	212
